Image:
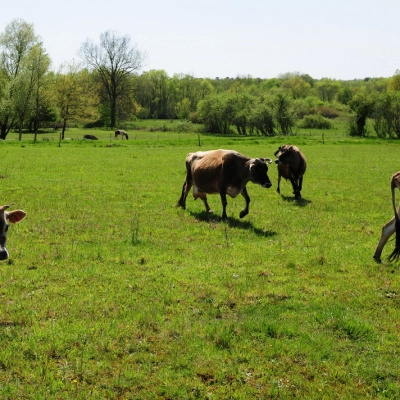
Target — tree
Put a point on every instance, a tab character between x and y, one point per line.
327	89
387	114
362	104
16	42
394	83
297	87
74	94
114	60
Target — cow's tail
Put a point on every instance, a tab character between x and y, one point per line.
396	252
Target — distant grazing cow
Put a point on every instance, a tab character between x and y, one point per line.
122	133
224	172
391	226
90	137
5	218
291	164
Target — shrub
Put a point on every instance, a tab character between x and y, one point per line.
316	122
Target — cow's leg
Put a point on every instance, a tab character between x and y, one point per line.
278	189
245	210
224	204
296	190
185	190
203	197
388	230
300	183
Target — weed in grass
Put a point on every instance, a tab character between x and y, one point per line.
135	229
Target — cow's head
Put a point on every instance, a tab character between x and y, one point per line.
5	218
281	149
287	155
258	171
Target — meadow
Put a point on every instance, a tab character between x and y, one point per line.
111	292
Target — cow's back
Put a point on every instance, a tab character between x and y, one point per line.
209	168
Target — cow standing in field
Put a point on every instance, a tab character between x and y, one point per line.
122	133
391	226
5	218
291	164
224	172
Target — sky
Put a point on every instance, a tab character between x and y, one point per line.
341	39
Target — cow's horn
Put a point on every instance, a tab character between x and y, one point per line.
268	160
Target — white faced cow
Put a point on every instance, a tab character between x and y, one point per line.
5	218
223	172
391	226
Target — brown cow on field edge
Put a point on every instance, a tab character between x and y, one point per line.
5	217
391	226
224	172
291	164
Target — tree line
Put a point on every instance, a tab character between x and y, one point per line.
106	89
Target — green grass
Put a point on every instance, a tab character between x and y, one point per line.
113	292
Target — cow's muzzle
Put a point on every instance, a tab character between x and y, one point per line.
3	254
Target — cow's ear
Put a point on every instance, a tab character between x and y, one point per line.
266	160
15	216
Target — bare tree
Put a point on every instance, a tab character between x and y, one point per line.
115	60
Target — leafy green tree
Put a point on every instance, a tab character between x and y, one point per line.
284	113
327	89
114	60
216	113
261	118
15	43
394	83
297	87
387	114
75	95
362	104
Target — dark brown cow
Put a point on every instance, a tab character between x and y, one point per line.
122	133
5	218
90	137
224	172
291	164
391	226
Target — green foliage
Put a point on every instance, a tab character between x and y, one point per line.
316	122
362	104
387	115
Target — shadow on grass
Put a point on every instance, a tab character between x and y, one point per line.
300	203
232	222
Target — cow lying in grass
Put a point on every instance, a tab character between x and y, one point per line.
90	137
391	226
5	218
292	165
223	172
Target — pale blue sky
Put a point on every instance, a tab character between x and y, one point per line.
341	39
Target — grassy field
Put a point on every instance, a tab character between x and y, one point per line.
113	292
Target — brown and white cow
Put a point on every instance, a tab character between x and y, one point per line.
122	133
5	218
291	164
224	172
391	226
